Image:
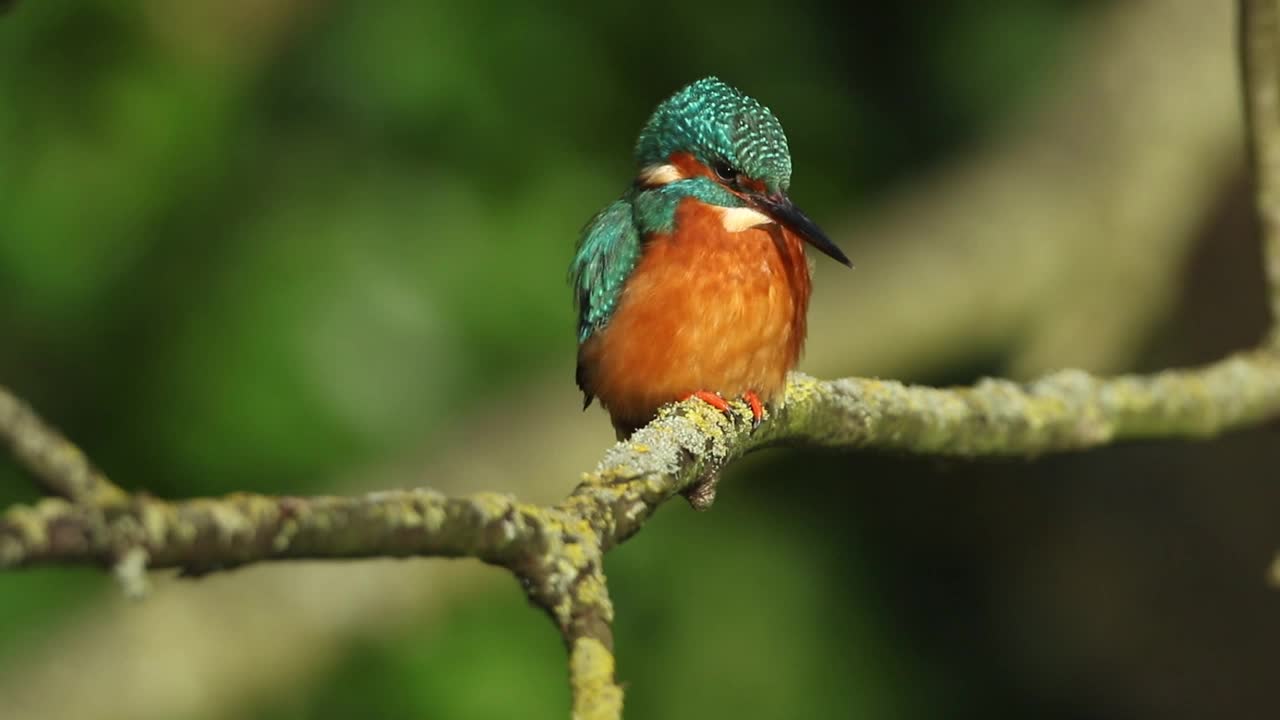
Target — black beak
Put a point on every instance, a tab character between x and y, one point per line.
779	207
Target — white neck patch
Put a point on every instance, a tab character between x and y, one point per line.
660	175
737	219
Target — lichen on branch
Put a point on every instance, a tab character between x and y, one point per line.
557	551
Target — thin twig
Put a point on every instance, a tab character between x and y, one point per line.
57	464
557	551
1260	74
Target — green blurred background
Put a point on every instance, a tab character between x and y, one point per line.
299	247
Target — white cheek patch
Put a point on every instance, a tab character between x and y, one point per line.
660	175
743	218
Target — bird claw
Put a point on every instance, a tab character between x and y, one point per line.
719	403
710	398
757	408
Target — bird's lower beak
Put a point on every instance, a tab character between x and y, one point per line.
779	207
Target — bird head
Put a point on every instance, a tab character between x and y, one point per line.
711	130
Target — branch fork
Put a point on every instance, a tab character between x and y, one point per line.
557	552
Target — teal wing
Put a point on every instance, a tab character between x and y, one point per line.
606	255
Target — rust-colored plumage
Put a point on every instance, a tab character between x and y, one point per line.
705	309
695	283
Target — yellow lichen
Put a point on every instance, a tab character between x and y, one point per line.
563	611
408	516
595	694
281	541
433	517
153	520
582	527
635	510
575	554
30	523
591	592
655	484
491	504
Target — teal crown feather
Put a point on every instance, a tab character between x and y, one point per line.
715	123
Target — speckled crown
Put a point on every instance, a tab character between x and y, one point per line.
717	122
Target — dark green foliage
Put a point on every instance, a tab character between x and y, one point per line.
246	253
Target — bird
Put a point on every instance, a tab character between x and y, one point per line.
694	283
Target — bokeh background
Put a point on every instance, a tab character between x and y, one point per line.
302	247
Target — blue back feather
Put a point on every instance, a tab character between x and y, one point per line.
607	253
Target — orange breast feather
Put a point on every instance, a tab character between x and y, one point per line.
705	309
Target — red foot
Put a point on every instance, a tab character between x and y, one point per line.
709	398
719	403
757	408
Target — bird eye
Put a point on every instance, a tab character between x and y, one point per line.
725	171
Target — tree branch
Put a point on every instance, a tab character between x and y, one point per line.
1260	72
60	466
1065	411
207	534
557	551
1006	239
1025	218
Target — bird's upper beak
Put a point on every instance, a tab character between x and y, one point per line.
779	207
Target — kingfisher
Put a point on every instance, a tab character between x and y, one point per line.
695	282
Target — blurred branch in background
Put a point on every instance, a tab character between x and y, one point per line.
1260	61
1064	239
556	551
955	212
60	466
